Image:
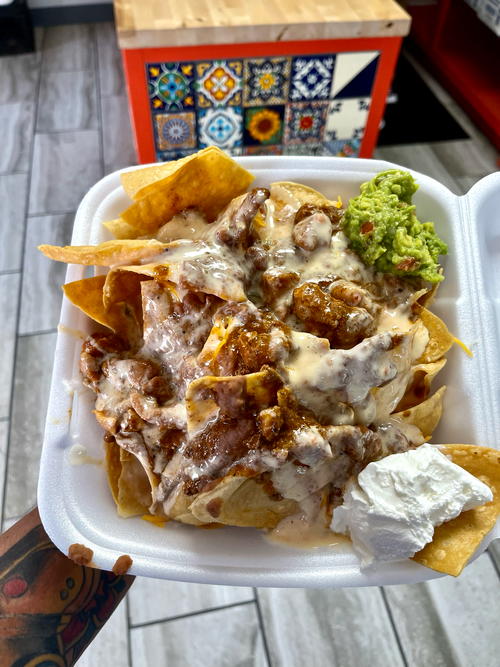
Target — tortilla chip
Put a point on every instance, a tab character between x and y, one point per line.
108	253
87	295
180	509
114	467
304	194
426	415
123	286
429	296
440	338
134	488
257	390
455	541
122	230
140	182
420	387
230	289
210	180
240	501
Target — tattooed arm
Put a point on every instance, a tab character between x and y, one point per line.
50	607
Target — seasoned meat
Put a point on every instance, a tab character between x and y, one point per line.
269	422
225	442
344	326
313	232
233	225
358	442
230	395
257	256
331	212
277	285
94	350
130	421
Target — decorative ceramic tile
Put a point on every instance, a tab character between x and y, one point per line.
347	148
263	125
220	127
304	149
347	119
266	81
305	122
166	156
263	150
174	131
354	74
311	77
219	83
171	86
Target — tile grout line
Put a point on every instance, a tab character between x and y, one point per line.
129	636
10	272
23	246
98	98
393	625
37	333
188	615
262	628
49	213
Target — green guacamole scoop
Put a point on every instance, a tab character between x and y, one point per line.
383	229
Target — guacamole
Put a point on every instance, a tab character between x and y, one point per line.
383	229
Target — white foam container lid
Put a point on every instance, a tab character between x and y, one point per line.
75	502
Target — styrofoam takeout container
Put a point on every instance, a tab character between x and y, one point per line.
74	501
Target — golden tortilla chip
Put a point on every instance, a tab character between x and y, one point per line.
258	390
140	182
427	299
303	193
121	229
123	286
426	415
241	501
113	467
420	387
440	339
87	295
180	509
210	180
134	488
455	541
108	253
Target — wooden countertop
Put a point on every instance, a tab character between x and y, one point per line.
156	23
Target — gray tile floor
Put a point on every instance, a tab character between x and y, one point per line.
64	124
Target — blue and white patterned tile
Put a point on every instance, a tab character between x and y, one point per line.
347	119
311	77
222	127
266	81
175	131
344	148
263	125
171	86
354	74
305	123
166	156
219	83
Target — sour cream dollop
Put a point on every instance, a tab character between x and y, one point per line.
392	509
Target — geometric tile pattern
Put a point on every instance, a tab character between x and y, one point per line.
291	105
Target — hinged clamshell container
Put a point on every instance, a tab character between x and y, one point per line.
75	502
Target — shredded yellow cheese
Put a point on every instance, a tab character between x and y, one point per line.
464	347
157	520
338	204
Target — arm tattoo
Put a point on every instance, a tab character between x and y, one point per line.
50	607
